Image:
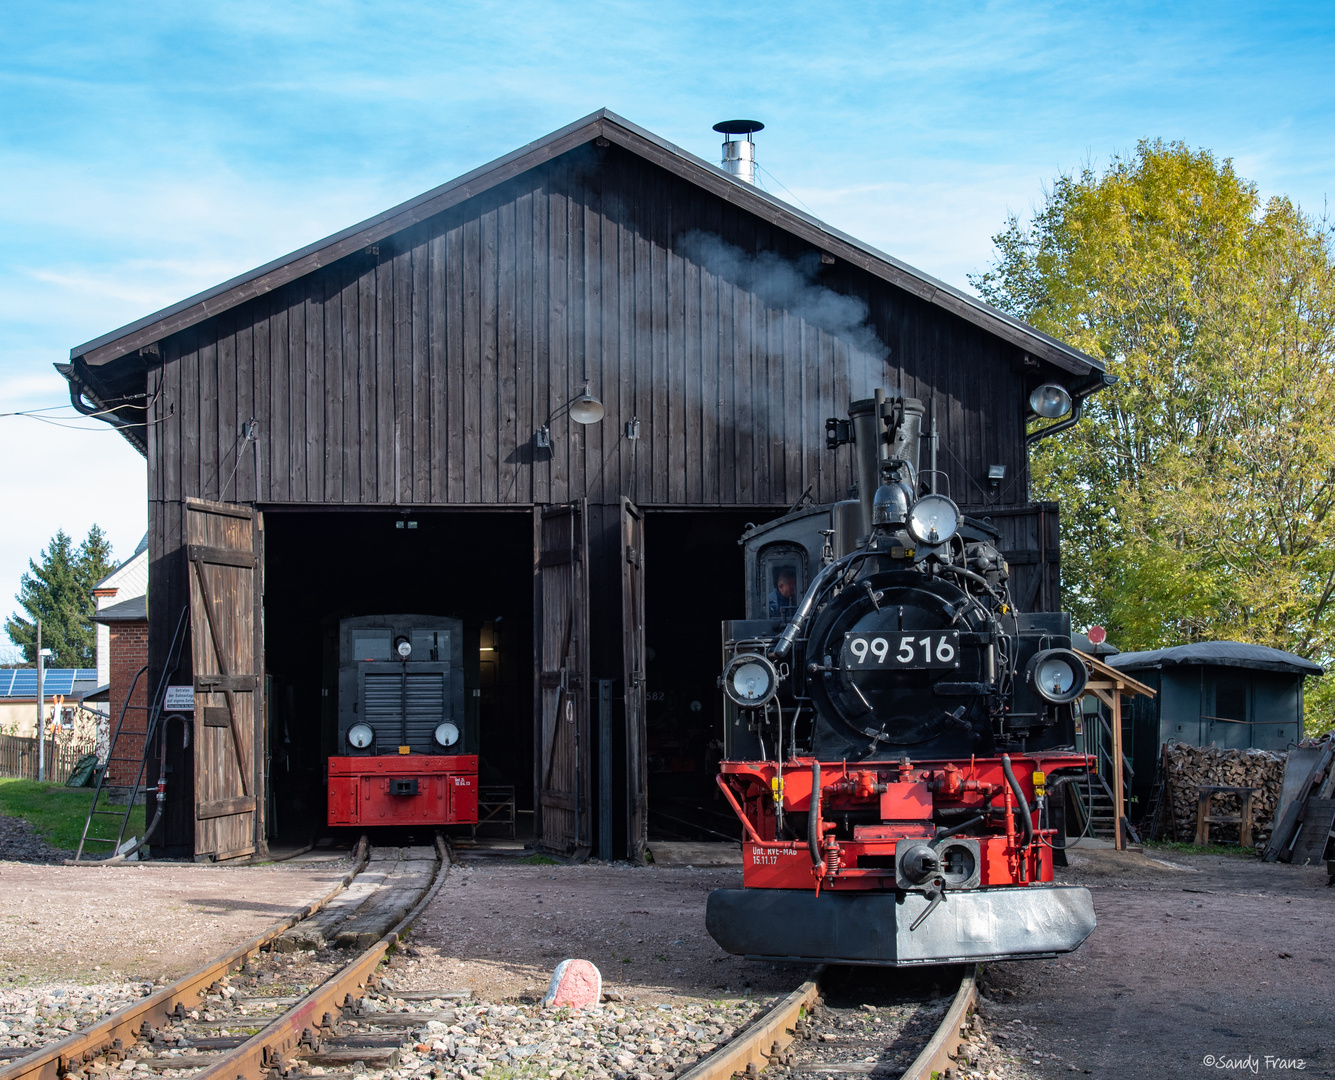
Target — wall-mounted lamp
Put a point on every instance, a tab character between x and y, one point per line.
995	475
633	428
1050	401
586	409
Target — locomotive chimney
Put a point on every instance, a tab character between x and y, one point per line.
739	155
883	429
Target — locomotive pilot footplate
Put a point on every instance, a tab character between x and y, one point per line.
876	927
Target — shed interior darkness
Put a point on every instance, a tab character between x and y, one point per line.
693	573
323	567
320	567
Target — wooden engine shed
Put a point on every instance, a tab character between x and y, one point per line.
381	422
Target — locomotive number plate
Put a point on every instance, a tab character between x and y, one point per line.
902	650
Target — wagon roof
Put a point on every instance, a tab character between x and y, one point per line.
601	124
1219	654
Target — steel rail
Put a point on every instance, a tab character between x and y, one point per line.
120	1030
769	1038
939	1056
271	1048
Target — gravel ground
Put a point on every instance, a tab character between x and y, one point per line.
499	929
626	1040
1200	966
19	842
77	943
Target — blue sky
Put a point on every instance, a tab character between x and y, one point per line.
150	150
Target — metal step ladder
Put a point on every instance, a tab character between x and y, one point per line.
154	711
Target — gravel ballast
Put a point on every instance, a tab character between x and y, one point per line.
78	943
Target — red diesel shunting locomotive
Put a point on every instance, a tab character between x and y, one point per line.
407	753
927	717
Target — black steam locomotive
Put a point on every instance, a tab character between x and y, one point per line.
893	725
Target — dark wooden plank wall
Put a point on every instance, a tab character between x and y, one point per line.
417	371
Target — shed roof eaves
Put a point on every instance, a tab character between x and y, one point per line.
638	140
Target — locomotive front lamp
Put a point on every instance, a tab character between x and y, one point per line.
360	736
404	648
1056	675
933	519
447	734
1050	401
586	409
750	680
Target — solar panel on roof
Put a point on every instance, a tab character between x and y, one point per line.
22	682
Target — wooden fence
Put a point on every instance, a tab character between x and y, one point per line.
18	757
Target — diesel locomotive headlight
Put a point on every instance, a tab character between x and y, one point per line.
404	648
1056	675
447	734
360	736
933	519
750	680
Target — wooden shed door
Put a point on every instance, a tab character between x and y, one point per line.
632	646
222	547
561	647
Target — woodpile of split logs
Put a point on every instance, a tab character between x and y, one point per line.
1188	767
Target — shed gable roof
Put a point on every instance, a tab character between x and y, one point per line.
606	125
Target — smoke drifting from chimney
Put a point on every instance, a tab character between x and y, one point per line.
790	286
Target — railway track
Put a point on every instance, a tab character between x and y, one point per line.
292	1003
296	992
855	1022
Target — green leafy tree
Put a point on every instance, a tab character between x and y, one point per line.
1197	493
60	593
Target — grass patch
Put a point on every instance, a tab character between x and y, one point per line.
1185	848
58	813
537	860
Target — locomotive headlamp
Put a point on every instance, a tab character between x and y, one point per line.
933	519
1056	675
447	734
360	736
890	506
750	680
404	648
1050	401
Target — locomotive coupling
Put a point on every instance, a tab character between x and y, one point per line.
919	864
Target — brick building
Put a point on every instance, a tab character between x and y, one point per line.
126	626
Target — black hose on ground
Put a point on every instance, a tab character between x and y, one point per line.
1021	803
813	816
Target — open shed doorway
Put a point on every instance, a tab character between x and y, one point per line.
693	581
320	567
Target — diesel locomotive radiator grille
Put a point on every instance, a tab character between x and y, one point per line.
385	699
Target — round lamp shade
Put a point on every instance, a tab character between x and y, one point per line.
586	409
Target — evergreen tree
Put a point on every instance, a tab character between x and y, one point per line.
60	593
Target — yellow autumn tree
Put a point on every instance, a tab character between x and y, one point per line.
1197	493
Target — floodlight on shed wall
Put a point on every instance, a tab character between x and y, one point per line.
586	409
1050	401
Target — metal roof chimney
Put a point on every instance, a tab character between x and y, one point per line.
739	156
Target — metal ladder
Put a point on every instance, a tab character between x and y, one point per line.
154	710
